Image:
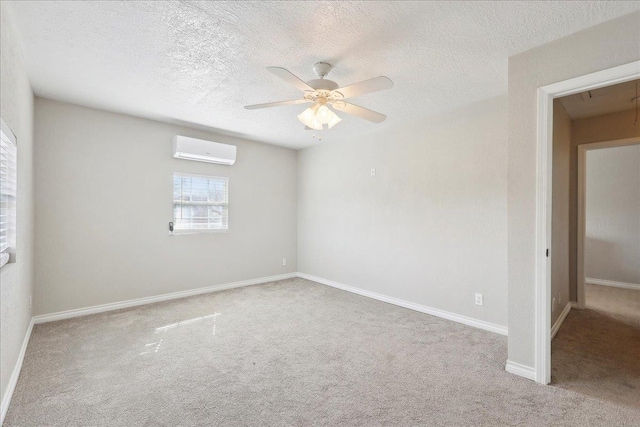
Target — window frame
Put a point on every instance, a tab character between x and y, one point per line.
8	255
177	231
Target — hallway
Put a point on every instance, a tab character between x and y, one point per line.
597	350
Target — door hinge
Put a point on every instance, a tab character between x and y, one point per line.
547	253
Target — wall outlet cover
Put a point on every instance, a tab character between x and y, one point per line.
479	299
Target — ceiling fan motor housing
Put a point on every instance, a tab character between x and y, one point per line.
323	84
321	69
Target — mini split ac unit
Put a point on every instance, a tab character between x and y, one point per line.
203	151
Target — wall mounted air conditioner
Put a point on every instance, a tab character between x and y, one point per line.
203	151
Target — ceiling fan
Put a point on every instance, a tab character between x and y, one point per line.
323	93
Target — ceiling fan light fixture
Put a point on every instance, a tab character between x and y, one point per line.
323	93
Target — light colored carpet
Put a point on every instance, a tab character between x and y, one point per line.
597	350
286	353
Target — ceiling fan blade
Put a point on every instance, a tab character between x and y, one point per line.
372	85
290	78
355	110
275	104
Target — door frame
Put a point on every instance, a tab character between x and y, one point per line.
582	200
546	95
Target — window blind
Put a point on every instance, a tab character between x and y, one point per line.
200	203
8	190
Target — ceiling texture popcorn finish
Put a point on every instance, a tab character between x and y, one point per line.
199	63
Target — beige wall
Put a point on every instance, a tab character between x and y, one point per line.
16	280
607	127
560	211
104	200
603	46
612	243
429	227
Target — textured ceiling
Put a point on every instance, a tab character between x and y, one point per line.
199	63
606	100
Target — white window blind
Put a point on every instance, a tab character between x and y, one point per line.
8	191
200	203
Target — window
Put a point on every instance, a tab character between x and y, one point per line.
8	193
200	203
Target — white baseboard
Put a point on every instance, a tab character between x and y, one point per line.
149	300
613	283
487	326
563	315
521	370
6	400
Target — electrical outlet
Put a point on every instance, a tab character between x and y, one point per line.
373	171
479	299
284	261
553	304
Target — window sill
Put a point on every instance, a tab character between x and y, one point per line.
4	260
181	232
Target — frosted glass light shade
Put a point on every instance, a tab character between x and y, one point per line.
334	120
323	114
308	118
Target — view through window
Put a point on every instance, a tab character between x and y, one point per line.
200	203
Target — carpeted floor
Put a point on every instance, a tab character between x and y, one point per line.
597	350
286	353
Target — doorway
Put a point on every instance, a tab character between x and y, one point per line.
543	289
595	241
582	220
